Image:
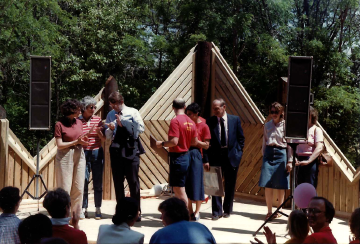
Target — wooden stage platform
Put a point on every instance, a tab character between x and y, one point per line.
247	217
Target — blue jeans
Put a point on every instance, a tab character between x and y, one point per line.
94	163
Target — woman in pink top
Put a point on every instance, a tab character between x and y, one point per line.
70	157
308	152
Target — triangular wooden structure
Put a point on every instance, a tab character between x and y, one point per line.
340	183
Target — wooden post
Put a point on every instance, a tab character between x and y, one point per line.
110	86
4	135
202	76
213	80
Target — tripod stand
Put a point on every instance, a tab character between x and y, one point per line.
37	176
291	197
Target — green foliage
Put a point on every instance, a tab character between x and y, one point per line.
141	42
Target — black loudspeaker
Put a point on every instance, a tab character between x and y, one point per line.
298	97
40	93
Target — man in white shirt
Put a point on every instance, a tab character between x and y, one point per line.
125	124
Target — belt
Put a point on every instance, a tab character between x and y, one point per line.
277	147
194	148
178	153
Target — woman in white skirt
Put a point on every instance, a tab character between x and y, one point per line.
70	158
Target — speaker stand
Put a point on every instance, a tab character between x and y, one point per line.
37	176
290	197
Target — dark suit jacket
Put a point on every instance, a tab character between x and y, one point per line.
236	141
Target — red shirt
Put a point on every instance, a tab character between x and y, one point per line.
94	140
68	132
69	234
183	128
323	236
355	241
203	131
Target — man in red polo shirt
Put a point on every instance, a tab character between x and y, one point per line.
57	203
182	134
320	214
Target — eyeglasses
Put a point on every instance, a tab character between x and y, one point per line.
274	112
312	210
92	107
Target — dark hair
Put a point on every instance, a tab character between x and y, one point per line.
179	103
53	240
116	97
9	198
298	225
355	223
70	107
314	115
329	208
35	227
126	209
193	107
174	209
56	202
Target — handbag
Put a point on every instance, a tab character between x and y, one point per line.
325	159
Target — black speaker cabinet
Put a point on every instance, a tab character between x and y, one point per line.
40	93
298	97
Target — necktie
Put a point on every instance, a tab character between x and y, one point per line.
223	136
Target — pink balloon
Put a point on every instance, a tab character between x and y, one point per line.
303	194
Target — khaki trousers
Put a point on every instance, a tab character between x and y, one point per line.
70	174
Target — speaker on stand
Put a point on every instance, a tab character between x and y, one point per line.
39	110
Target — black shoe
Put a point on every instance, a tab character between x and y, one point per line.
192	217
139	218
216	217
226	215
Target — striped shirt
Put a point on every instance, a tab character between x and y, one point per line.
94	140
9	224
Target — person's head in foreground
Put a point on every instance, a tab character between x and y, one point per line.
57	203
9	199
355	223
173	210
127	211
313	116
34	228
178	105
298	226
219	107
320	213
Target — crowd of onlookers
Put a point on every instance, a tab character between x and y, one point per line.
310	225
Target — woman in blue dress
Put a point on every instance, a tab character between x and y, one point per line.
276	166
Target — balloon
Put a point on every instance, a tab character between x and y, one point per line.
303	194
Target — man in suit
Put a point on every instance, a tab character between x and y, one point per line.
226	149
124	126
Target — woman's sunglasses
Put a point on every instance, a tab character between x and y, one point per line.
92	107
274	112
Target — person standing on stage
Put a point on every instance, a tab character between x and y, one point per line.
275	168
182	134
194	185
226	149
125	124
308	153
94	154
70	158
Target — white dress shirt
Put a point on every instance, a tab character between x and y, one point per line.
130	119
226	127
